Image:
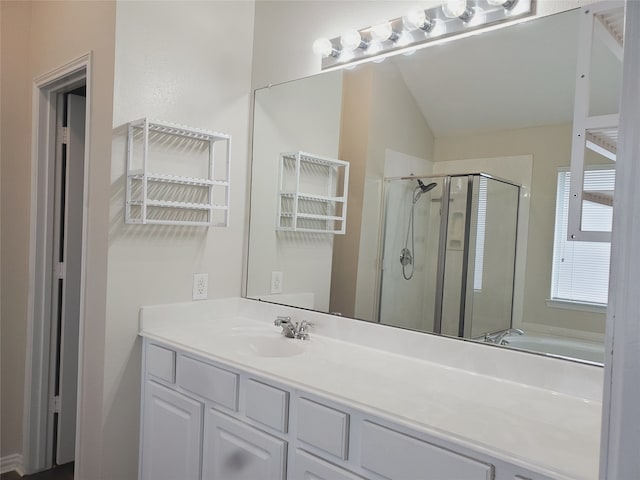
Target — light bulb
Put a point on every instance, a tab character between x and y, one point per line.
417	19
454	8
381	32
414	19
323	47
350	40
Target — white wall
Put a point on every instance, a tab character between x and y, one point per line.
303	116
174	61
36	38
15	157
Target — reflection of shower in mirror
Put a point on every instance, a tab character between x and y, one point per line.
457	248
406	255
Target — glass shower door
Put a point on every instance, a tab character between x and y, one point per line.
491	272
410	252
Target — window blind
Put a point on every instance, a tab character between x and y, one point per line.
480	233
581	269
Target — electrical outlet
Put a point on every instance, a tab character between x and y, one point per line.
276	282
200	289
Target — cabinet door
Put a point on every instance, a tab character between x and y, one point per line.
171	435
308	467
236	451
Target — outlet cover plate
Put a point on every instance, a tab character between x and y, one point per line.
200	290
276	282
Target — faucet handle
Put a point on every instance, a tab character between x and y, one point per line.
305	325
303	328
281	319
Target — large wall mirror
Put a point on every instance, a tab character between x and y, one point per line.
430	191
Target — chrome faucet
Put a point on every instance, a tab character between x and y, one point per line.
498	337
291	329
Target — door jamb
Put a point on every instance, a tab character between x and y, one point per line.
37	455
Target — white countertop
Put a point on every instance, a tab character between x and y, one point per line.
554	432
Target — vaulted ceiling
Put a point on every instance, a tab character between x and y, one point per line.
520	76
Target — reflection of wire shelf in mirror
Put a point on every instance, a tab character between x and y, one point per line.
312	193
603	23
176	175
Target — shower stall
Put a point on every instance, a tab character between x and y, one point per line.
448	254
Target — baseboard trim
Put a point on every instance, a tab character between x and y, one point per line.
11	463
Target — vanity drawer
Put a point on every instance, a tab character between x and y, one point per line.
309	467
212	383
323	427
396	455
267	405
160	362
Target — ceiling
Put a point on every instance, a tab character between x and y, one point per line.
519	76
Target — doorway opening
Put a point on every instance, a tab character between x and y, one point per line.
67	262
57	266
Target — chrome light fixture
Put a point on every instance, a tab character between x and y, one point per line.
506	4
418	28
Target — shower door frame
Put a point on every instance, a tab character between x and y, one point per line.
468	275
442	245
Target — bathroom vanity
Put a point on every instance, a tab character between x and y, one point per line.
226	396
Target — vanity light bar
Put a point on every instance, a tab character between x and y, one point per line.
404	34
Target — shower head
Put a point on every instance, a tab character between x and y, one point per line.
422	188
426	188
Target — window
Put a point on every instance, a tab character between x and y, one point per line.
581	269
480	233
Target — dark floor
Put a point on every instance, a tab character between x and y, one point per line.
61	472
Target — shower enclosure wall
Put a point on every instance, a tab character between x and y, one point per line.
448	254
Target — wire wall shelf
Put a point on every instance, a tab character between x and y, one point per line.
176	175
313	193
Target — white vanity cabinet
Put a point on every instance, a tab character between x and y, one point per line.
203	419
172	426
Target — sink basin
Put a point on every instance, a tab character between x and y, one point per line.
278	346
258	343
